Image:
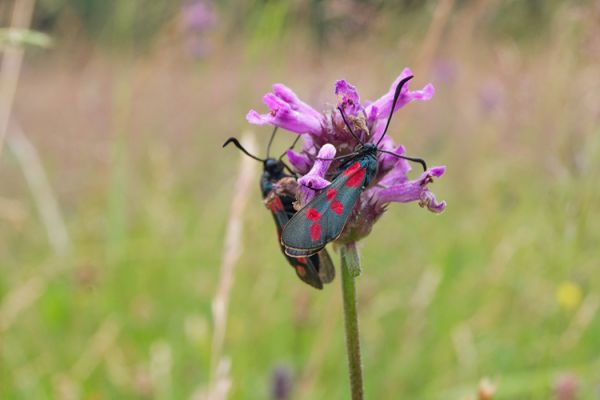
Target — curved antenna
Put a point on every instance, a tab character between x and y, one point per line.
396	96
291	171
271	141
338	157
239	146
289	148
413	159
348	125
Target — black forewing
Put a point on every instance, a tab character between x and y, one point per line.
301	252
300	236
314	270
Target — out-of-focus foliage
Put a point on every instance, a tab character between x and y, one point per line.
115	22
23	37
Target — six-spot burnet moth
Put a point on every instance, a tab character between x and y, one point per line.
322	220
315	269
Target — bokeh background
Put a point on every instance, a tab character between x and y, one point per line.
115	197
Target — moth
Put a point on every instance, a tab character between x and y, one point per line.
315	269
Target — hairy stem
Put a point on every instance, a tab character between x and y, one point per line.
350	265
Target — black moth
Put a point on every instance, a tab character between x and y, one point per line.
315	269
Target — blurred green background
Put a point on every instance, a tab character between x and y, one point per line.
117	120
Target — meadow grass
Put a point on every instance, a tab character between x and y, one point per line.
132	148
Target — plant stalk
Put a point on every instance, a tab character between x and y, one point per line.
350	265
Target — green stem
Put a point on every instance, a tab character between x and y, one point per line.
350	269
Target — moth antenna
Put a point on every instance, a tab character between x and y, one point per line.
289	148
291	171
239	146
396	96
338	157
348	125
271	141
413	159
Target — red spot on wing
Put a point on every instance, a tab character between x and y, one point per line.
331	193
313	214
337	207
356	179
275	205
301	271
302	260
351	169
315	232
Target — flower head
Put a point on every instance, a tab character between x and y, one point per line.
380	108
197	18
348	98
281	383
288	112
327	135
198	15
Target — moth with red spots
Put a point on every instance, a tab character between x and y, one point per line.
322	220
315	269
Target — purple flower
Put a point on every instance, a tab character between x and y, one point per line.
288	112
315	180
348	98
445	70
300	161
197	18
281	383
408	191
566	387
380	108
326	135
491	96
